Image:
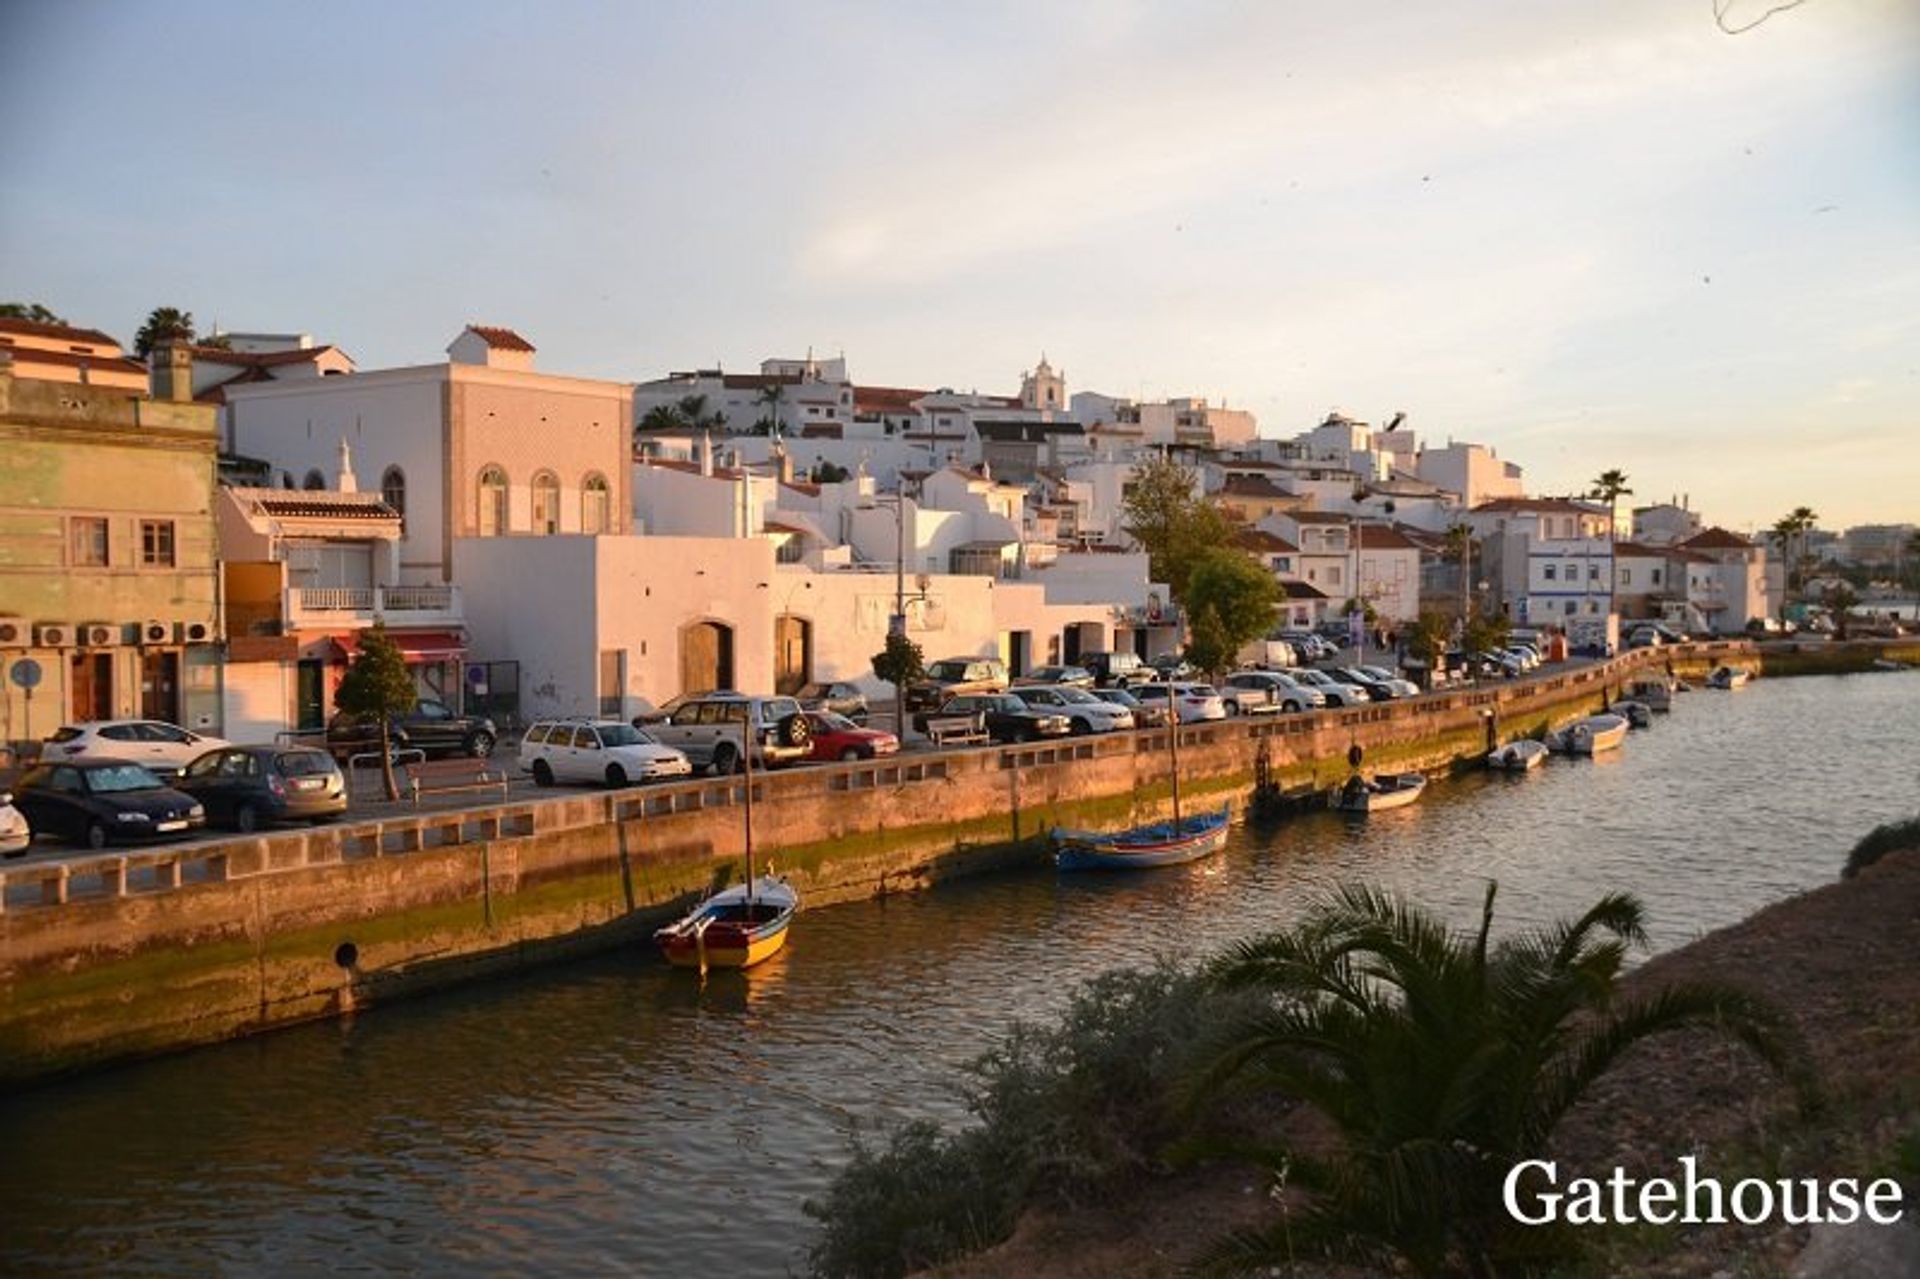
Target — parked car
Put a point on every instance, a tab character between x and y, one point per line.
163	748
1377	689
430	727
246	787
1401	686
1171	667
1086	712
1282	690
953	675
1246	699
1006	717
837	737
598	751
1123	669
16	833
1064	676
837	696
1644	637
1144	716
1309	646
94	801
1336	692
1192	702
708	729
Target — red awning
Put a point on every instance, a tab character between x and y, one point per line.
415	646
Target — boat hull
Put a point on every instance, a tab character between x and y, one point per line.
1593	737
1389	790
1143	847
1518	757
732	929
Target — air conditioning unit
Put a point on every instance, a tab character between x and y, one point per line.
53	635
155	632
193	632
99	635
14	632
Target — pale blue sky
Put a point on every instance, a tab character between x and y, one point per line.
1590	234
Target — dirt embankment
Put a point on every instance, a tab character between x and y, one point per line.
1842	961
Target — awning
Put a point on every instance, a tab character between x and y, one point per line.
415	646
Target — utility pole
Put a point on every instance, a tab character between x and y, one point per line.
897	625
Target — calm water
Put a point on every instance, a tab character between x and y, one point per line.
609	1116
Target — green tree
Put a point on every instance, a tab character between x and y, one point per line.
1792	534
1236	597
695	413
378	686
771	397
1487	633
1174	524
901	662
29	311
1427	641
1440	1060
1610	487
662	418
825	472
1840	599
164	324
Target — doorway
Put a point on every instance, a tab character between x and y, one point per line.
92	686
792	653
309	696
160	686
706	657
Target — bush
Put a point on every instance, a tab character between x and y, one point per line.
1892	837
1062	1111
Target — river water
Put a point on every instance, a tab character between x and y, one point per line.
612	1116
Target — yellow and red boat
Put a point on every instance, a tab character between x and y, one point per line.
736	928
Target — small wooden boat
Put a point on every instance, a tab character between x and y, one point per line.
1729	677
1591	736
1638	714
1142	847
736	928
1386	790
1518	756
1656	694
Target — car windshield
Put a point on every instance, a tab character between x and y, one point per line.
1078	696
1119	697
834	723
303	763
623	735
116	778
947	670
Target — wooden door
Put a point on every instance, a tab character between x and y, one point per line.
706	657
792	653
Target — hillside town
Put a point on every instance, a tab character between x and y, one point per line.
201	537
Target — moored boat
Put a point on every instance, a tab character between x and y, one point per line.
1655	694
1518	756
1638	714
1384	791
1729	677
736	928
1142	847
1591	736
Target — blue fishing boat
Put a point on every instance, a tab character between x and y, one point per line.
1167	843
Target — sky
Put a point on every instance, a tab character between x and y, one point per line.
1590	234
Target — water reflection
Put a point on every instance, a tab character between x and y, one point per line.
615	1115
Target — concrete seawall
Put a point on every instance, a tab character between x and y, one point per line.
104	957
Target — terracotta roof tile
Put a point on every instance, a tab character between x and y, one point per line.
69	360
1263	542
1717	539
500	339
57	332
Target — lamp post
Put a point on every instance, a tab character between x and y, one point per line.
897	624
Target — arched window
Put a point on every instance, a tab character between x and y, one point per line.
314	480
593	504
546	502
493	502
393	491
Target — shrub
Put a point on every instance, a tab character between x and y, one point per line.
1892	837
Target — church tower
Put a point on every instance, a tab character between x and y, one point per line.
1043	388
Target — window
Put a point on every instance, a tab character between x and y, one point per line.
393	491
87	542
1550	572
493	502
546	503
1626	577
156	543
1656	577
593	505
314	480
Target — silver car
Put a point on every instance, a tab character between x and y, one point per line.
1283	691
1087	712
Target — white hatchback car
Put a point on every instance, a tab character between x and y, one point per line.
600	751
1193	702
161	747
15	835
1088	712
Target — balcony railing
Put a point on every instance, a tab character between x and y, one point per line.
364	605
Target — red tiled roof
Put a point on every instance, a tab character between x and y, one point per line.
260	359
1320	517
1717	539
67	359
1640	550
1263	542
57	332
757	381
1381	537
1558	505
1253	486
822	431
885	399
1298	590
500	339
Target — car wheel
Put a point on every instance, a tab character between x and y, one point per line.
246	819
1233	708
1082	728
850	754
616	775
725	759
95	836
1030	735
542	773
1290	708
480	745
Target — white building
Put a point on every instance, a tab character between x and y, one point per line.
1472	471
1549	559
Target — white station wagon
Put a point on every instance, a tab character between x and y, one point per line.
599	751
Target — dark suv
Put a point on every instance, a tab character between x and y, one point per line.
1117	669
430	727
954	675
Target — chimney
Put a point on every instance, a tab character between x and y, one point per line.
170	372
706	454
347	482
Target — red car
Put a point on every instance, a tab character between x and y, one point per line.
837	737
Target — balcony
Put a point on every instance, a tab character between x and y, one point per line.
354	606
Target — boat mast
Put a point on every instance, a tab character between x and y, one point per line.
746	765
1173	737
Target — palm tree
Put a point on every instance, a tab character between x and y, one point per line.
1441	1059
693	408
772	396
164	324
1790	533
1610	488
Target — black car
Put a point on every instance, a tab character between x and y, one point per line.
837	696
1007	718
1377	689
429	727
246	786
93	801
